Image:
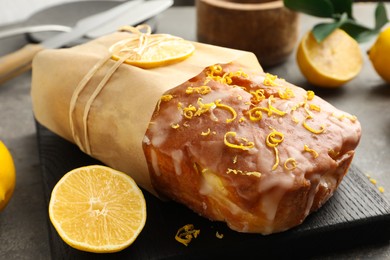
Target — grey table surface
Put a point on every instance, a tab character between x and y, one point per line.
24	222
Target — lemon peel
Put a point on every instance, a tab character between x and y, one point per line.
290	164
248	145
186	233
240	172
311	129
312	151
228	108
7	176
273	140
379	54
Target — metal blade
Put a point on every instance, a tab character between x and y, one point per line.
89	23
34	29
139	14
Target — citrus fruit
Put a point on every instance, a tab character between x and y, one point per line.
332	62
7	176
97	209
158	50
379	54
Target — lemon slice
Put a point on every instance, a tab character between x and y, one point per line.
331	63
153	50
7	176
97	209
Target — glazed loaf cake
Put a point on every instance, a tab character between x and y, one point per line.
229	141
248	148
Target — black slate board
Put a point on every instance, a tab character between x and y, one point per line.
356	215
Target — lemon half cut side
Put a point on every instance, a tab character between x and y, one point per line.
97	209
331	63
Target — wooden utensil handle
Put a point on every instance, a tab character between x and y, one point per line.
14	64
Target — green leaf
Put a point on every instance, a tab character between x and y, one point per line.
319	8
357	31
380	16
362	33
341	13
343	6
323	30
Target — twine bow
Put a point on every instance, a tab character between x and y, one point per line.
133	48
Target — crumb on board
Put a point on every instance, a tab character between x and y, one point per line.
218	235
374	181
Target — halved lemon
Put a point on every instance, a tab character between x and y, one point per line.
331	63
97	209
153	51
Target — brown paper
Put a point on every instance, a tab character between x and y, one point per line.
119	115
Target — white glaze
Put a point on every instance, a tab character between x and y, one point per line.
177	158
155	163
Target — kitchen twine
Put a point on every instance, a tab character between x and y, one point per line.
133	49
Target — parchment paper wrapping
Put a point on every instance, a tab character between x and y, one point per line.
119	115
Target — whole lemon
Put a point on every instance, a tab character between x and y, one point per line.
7	176
379	54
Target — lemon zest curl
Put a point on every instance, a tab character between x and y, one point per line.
235	171
273	140
186	233
309	150
228	108
203	90
245	147
309	128
292	162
